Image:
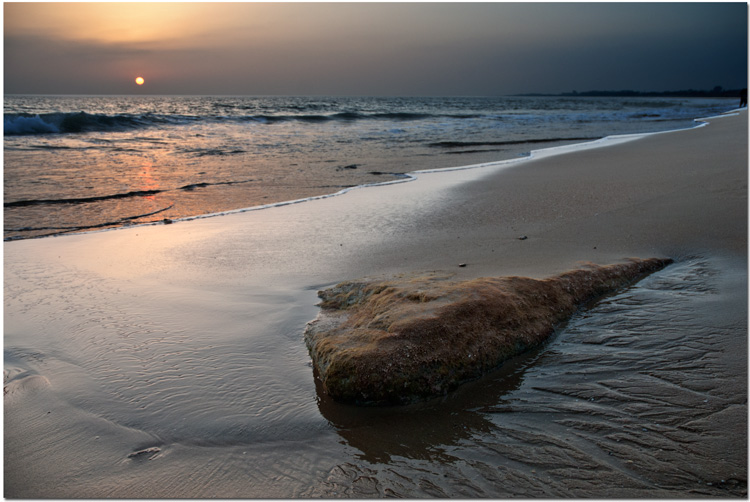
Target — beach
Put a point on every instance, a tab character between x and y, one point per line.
168	360
79	163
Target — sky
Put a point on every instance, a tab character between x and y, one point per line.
405	49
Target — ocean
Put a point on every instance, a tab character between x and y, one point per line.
81	163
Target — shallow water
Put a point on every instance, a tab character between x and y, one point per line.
157	400
614	406
74	163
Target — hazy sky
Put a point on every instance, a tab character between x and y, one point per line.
372	48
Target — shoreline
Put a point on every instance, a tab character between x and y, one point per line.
603	142
183	344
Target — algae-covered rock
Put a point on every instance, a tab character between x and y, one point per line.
401	340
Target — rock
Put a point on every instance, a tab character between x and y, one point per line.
522	238
398	341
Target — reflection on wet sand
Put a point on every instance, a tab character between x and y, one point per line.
422	431
619	402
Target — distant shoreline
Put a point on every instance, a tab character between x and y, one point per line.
716	92
686	93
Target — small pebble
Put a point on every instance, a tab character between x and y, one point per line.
147	451
462	264
522	238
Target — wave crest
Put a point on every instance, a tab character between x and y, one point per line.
82	122
60	123
21	124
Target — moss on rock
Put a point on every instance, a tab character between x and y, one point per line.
410	338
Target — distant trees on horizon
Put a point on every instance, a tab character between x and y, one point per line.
716	92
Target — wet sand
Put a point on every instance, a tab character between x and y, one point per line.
169	360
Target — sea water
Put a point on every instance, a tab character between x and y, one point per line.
78	163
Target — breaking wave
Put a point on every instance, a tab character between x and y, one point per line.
60	123
81	122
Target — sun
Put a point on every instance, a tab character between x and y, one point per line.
139	80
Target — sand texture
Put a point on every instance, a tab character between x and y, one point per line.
399	341
169	361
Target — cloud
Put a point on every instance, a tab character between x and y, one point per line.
428	49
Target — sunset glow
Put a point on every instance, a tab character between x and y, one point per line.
139	80
371	48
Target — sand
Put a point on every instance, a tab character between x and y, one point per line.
185	341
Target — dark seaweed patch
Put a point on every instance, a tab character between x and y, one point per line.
204	184
81	200
79	228
463	144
